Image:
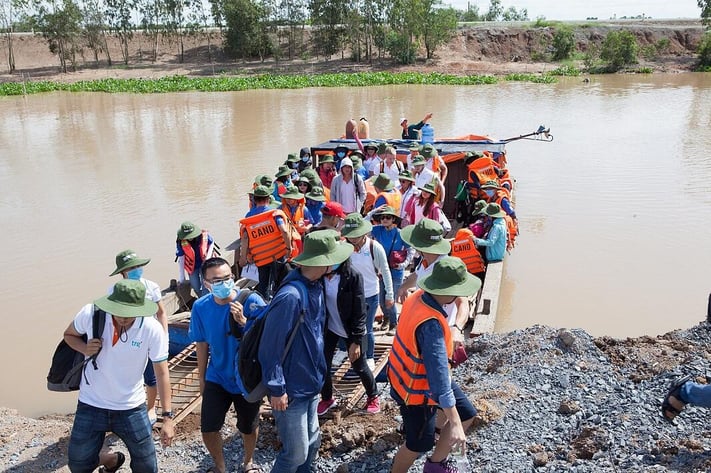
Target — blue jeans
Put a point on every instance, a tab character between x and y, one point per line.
300	436
196	283
391	313
696	394
371	307
90	427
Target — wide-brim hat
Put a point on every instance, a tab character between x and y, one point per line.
426	235
428	187
357	154
355	226
383	147
261	191
292	192
493	210
323	248
479	207
383	181
292	158
387	210
406	175
316	193
283	171
188	231
128	299
414	146
371	144
326	158
419	160
128	259
346	162
428	151
491	185
449	277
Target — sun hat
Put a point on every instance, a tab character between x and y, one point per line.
387	210
333	209
292	192
419	160
346	162
128	299
403	119
371	144
323	248
292	158
326	158
355	226
494	210
356	154
429	187
428	151
383	147
264	180
491	185
262	191
479	207
426	235
188	231
316	193
414	146
449	277
283	171
383	182
406	175
357	162
128	259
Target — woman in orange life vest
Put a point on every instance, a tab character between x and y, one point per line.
294	207
425	206
464	248
419	374
265	241
497	195
193	247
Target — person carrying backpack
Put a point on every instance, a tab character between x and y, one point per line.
294	379
111	397
220	383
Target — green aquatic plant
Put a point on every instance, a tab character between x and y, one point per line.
535	78
566	70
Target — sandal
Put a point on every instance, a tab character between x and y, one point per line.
250	468
672	404
120	459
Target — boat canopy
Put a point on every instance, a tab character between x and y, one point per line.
445	146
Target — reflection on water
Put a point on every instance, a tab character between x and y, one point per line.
613	212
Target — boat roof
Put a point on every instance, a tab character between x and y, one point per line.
444	146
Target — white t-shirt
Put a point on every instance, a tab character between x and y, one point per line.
450	309
424	177
373	165
365	264
393	171
335	324
348	196
117	384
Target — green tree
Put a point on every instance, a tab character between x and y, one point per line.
118	16
94	32
328	18
512	14
10	10
470	14
246	35
619	49
563	43
705	6
60	24
495	12
705	53
439	27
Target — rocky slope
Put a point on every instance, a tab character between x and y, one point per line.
549	400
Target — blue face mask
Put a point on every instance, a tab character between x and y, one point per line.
490	192
340	154
222	289
135	273
335	267
306	158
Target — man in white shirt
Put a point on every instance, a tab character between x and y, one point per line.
111	396
424	176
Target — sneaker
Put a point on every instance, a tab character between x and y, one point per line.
371	363
372	406
446	466
325	405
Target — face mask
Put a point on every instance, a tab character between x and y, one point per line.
135	274
293	165
222	290
306	158
340	154
335	267
489	192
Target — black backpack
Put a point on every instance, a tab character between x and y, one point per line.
68	365
248	366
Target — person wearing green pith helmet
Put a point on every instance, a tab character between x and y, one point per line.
111	397
419	373
130	266
194	246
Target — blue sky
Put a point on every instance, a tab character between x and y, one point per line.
603	9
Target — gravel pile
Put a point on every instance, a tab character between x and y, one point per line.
548	400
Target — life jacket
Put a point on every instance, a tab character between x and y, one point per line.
463	247
296	230
266	243
393	199
189	259
370	196
483	168
505	180
406	372
511	232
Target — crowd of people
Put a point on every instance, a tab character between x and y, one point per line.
329	241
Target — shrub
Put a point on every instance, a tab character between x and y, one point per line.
619	49
705	53
566	70
563	43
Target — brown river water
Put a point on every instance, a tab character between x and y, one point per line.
614	212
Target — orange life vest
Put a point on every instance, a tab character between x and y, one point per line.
393	199
406	372
484	168
296	227
370	196
463	247
189	259
266	243
512	232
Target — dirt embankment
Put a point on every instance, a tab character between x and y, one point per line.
495	48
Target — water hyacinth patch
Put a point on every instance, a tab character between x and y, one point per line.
265	81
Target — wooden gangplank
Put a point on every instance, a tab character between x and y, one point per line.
488	303
184	384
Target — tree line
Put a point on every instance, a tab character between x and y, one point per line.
362	29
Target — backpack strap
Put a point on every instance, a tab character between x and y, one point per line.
98	323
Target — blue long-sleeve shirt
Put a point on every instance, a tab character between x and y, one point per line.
430	339
302	373
495	242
